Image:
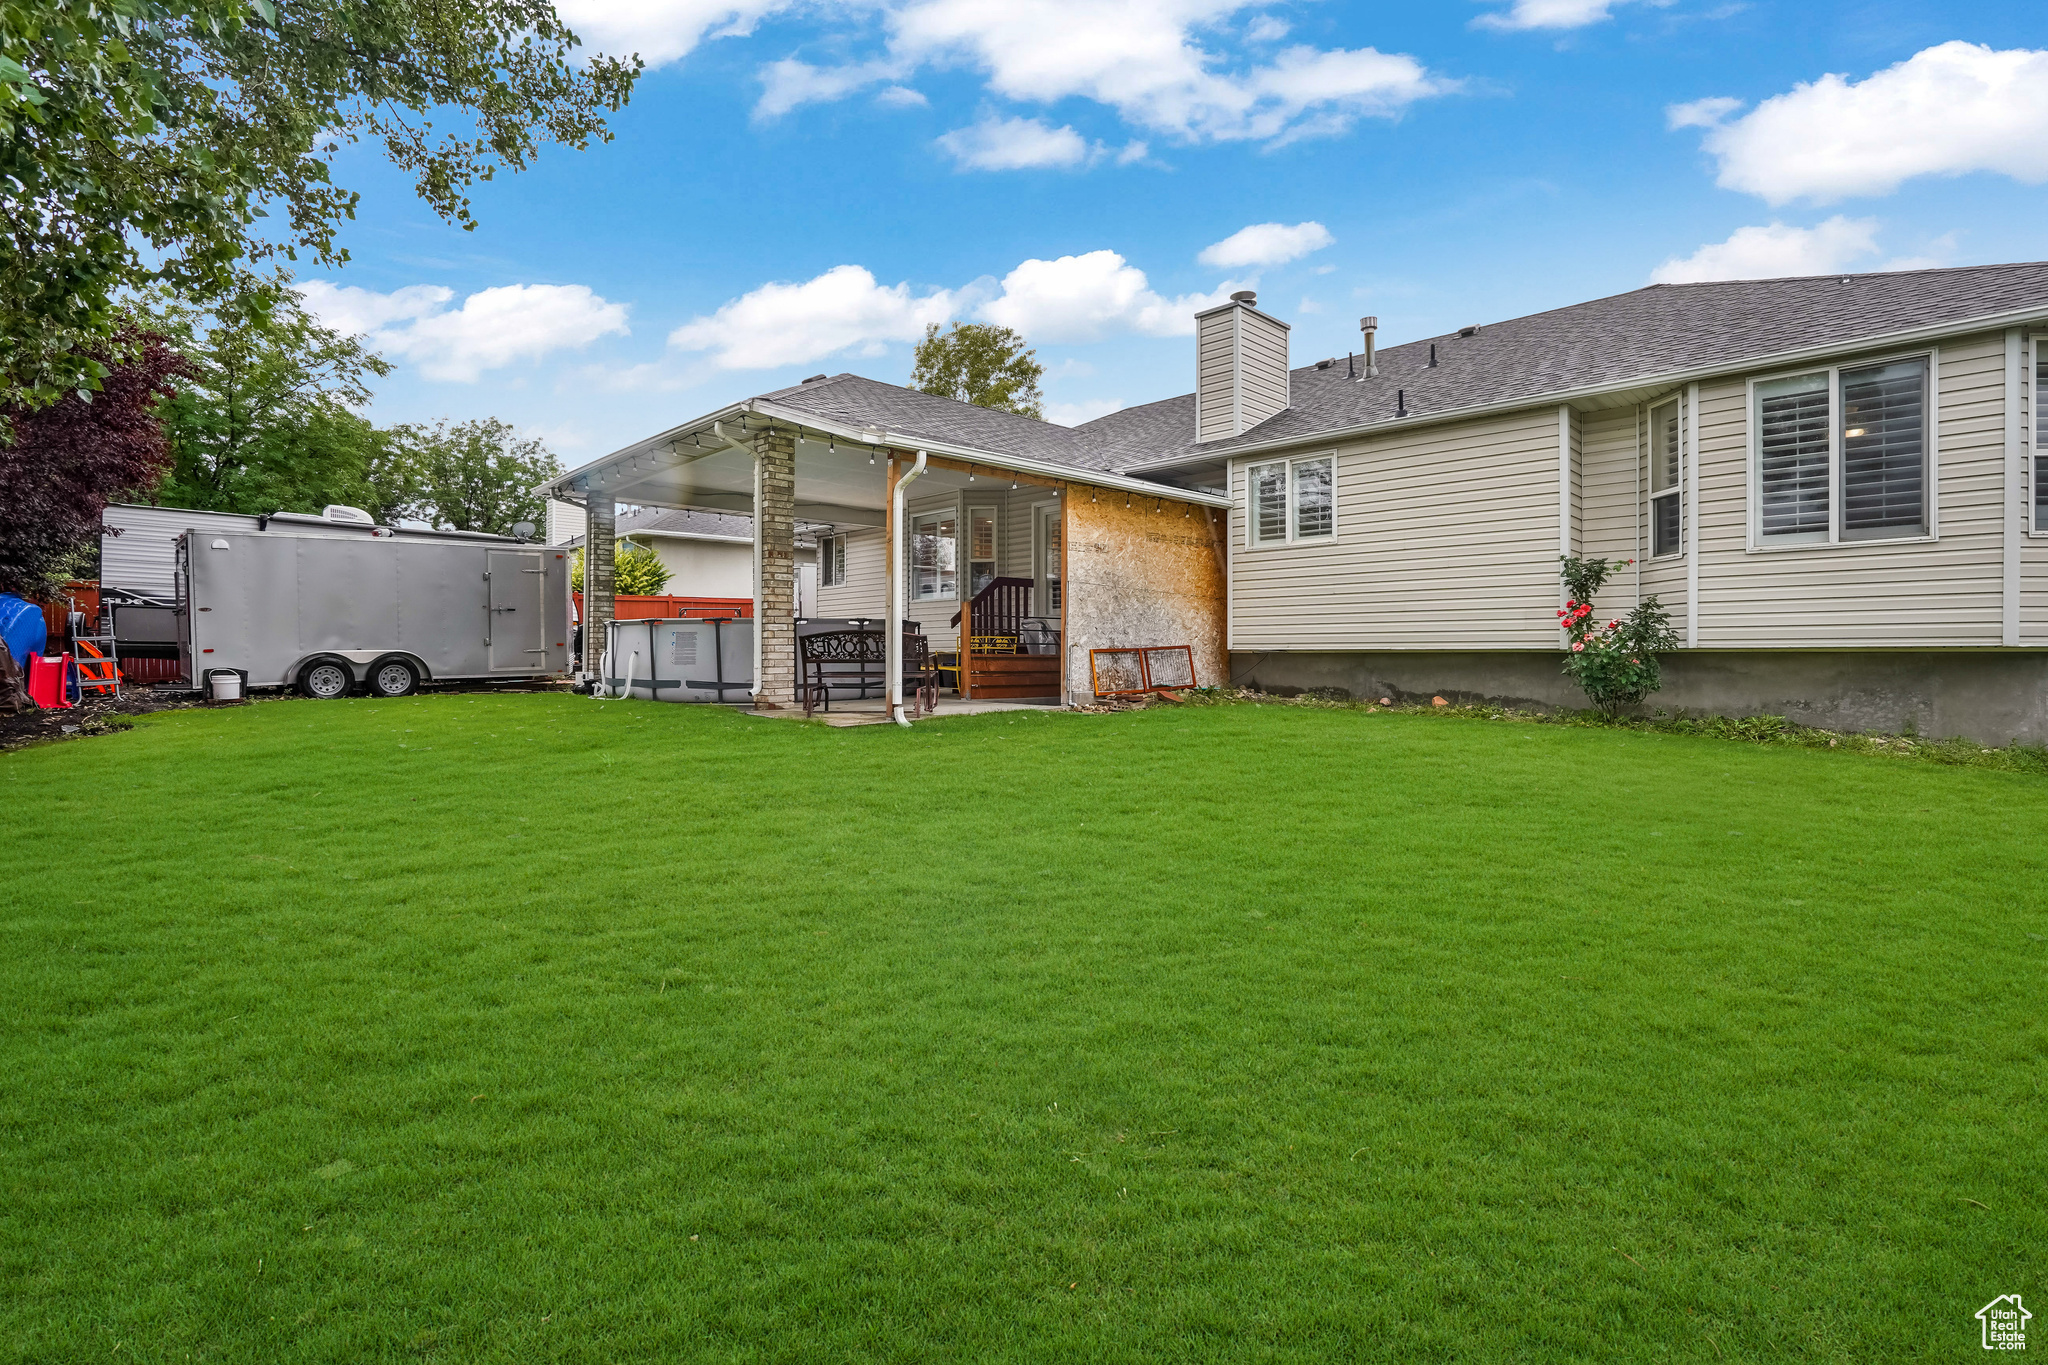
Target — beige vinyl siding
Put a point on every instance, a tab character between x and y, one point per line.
1262	368
1611	518
1872	593
1215	360
865	591
1446	539
2033	545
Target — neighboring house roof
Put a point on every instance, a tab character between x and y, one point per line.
692	525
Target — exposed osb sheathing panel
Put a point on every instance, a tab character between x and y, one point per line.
1149	574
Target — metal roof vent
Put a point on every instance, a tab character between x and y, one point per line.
1241	375
815	378
347	516
1471	331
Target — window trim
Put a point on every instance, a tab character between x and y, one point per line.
1252	539
1758	543
1677	491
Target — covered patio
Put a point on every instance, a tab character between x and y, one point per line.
1121	561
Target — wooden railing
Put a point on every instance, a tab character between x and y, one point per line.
995	618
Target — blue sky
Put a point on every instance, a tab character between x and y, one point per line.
797	188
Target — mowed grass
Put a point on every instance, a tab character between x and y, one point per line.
510	1028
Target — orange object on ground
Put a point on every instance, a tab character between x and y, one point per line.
96	670
46	681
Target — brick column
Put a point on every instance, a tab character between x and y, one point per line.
599	562
775	533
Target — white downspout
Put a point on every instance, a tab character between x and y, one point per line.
894	647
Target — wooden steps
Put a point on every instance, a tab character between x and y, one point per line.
998	677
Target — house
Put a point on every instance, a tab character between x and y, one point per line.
707	554
1827	480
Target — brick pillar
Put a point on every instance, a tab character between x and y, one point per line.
775	532
599	563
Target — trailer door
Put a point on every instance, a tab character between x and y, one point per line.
516	619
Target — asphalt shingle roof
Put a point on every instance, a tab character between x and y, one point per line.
1611	342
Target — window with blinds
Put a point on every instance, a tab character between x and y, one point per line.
2040	438
1667	506
1268	504
1793	455
981	548
1315	500
933	544
1884	450
1291	502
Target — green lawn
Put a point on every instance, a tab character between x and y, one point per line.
509	1028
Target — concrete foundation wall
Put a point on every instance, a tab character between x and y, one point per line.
1992	696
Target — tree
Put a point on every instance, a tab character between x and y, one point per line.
1616	665
636	570
470	476
142	140
979	364
262	422
70	458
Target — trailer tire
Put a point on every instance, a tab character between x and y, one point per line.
325	680
394	677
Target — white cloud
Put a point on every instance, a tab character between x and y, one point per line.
1266	244
1141	59
1015	144
1759	253
1707	113
661	30
493	328
1527	14
1075	298
1948	110
1266	29
902	97
1087	297
1087	410
790	84
790	324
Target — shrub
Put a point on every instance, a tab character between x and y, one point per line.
636	571
1615	664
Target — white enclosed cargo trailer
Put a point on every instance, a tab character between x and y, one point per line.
329	610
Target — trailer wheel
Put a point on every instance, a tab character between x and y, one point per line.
394	678
324	680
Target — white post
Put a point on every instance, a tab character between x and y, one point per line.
892	691
1690	494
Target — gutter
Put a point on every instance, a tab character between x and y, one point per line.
1670	379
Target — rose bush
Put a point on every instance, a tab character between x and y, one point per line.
1615	664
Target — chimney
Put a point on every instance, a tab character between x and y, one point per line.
1240	368
1369	326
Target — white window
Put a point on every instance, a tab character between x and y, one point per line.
1667	477
1291	501
933	544
1841	455
832	561
981	548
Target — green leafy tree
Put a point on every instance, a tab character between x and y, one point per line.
980	364
1615	664
263	420
636	570
141	141
470	476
